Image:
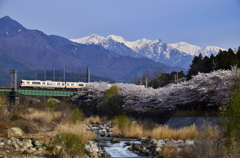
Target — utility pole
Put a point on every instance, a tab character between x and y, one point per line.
64	71
54	74
88	74
78	77
79	74
13	79
176	77
14	99
45	75
146	82
140	80
72	74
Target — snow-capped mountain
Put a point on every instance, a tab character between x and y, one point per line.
176	54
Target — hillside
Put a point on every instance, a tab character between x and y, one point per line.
26	49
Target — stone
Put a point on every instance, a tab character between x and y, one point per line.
19	143
31	150
7	141
114	140
158	149
13	139
95	149
189	142
136	147
27	143
16	131
36	143
34	101
14	144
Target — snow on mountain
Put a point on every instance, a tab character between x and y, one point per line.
97	39
207	51
185	47
92	39
176	54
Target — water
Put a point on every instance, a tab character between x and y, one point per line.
119	149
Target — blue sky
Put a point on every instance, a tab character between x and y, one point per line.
199	22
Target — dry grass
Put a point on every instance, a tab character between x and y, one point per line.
206	148
169	152
44	117
165	132
78	129
133	131
92	119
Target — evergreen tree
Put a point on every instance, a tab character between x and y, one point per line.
196	66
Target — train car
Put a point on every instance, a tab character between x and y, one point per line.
75	85
42	84
51	84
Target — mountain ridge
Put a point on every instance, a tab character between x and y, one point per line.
153	49
34	50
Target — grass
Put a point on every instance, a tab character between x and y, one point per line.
43	117
77	129
92	120
136	130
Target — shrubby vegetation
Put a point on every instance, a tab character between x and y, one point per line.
70	145
231	124
112	103
203	91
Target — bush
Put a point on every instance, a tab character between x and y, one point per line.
121	121
231	124
112	102
76	115
70	144
51	103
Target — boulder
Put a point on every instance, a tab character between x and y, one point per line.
16	131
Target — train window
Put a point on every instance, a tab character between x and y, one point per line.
72	84
63	84
50	83
36	82
43	83
28	82
67	84
58	84
80	84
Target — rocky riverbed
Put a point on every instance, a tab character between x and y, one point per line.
144	147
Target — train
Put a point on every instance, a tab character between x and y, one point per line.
51	84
